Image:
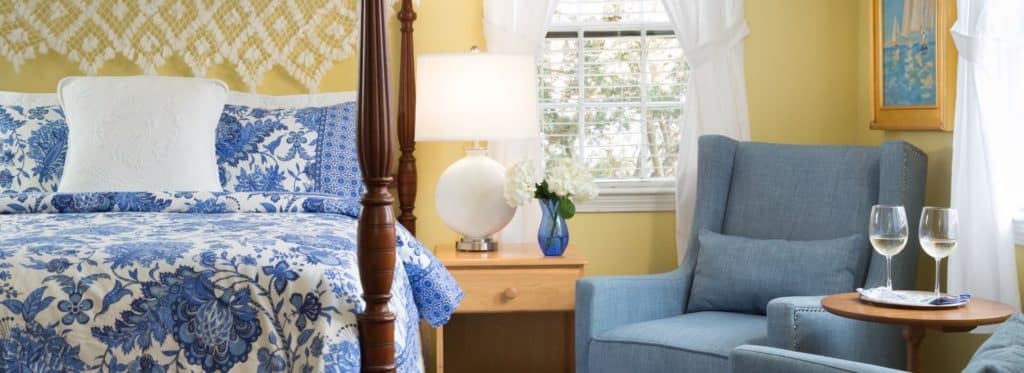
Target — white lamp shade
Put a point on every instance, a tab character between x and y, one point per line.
476	96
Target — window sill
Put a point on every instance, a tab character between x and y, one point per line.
632	196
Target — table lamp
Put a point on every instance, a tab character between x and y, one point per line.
475	97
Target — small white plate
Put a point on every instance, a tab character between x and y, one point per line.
910	304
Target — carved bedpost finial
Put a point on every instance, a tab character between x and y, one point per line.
407	121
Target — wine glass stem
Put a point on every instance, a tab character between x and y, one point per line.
937	261
888	272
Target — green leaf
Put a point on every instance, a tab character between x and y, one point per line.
538	192
542	191
566	209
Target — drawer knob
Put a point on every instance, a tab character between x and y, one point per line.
510	293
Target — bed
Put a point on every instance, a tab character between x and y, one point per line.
269	275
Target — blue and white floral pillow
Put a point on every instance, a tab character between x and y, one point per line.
305	149
33	144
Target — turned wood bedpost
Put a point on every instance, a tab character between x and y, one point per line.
407	121
376	234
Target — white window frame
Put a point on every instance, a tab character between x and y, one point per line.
623	195
638	195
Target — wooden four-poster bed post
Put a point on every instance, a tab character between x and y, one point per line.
376	232
407	121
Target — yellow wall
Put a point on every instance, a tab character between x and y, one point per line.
806	68
802	71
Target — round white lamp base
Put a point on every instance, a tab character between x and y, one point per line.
470	200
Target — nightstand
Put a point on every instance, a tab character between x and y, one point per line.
518	313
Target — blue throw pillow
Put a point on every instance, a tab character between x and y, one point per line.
33	144
738	274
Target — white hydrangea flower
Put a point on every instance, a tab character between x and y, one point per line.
570	178
521	182
560	177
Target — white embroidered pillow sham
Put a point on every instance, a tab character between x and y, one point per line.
141	133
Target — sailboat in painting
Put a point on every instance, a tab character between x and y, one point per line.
918	17
894	39
908	69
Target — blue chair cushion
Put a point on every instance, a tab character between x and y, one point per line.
695	342
1003	351
738	274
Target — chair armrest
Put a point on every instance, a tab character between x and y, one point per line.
750	358
800	324
603	303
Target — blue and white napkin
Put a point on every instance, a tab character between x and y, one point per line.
911	298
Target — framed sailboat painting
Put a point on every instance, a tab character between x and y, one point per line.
913	64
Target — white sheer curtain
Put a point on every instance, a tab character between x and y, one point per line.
988	147
711	33
517	26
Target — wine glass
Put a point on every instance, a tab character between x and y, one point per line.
888	233
938	232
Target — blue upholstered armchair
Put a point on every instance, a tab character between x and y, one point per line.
759	191
1002	352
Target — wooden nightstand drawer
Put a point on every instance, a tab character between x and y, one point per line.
517	314
508	290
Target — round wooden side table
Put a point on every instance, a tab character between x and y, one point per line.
914	321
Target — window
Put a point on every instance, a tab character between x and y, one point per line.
611	81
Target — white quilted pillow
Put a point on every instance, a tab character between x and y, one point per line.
141	133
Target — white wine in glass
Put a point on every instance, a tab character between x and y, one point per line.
888	246
887	230
938	248
938	232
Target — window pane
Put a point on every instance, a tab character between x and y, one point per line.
609	12
611	83
666	69
612	69
613	137
561	131
662	140
559	77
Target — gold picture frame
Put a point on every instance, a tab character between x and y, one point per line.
913	65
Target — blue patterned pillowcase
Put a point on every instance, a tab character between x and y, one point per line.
33	144
305	149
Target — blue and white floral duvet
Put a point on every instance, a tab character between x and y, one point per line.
156	282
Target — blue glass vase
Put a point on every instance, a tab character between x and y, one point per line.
553	234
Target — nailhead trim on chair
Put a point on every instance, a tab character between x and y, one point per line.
796	316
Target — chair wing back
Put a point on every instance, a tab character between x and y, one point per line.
903	173
796	192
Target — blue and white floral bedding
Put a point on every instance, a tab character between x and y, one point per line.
156	282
